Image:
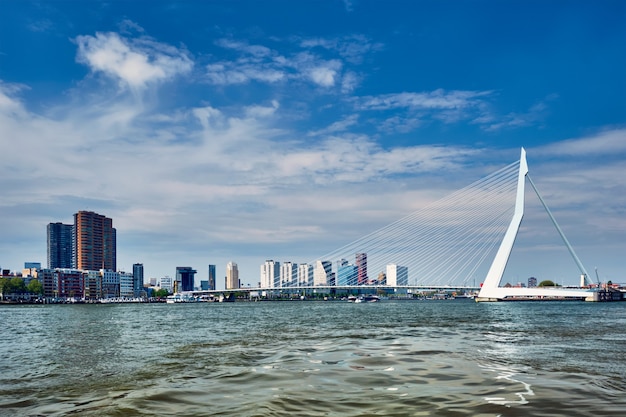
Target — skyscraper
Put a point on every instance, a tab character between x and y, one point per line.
232	276
137	279
95	242
211	277
270	274
60	245
185	278
361	266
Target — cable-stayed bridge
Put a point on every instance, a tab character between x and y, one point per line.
457	242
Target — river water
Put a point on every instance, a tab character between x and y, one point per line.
314	358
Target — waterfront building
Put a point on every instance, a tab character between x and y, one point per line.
46	277
305	275
93	285
137	280
212	276
60	242
288	274
95	242
347	274
232	276
110	283
184	278
270	274
322	273
127	285
69	283
397	275
167	283
361	264
204	285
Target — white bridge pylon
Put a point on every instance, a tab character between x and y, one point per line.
491	290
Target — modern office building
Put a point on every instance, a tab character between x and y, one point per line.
185	278
137	279
60	245
397	275
232	276
212	281
346	275
127	285
167	283
95	242
110	283
361	265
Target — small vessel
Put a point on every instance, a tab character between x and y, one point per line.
363	299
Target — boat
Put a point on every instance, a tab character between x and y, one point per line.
363	299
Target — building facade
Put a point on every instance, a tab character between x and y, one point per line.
137	280
361	264
270	274
322	273
232	276
212	281
185	276
95	242
60	240
397	275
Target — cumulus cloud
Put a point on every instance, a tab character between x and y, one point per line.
133	62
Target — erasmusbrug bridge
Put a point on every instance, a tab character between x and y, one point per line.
454	243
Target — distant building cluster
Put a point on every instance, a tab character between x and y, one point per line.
289	274
82	264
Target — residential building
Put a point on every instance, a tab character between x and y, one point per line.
305	275
361	264
288	274
110	283
137	280
60	242
270	274
232	276
95	242
322	273
93	285
397	275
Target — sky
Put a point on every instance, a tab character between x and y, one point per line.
243	130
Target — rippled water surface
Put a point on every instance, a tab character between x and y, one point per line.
306	358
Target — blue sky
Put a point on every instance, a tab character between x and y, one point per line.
245	130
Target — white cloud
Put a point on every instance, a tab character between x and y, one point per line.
610	142
135	63
437	99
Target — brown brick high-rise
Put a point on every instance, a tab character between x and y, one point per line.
95	241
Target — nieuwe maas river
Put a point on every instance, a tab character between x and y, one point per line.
305	358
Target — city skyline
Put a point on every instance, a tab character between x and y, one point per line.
217	132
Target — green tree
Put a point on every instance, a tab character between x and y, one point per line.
16	285
35	287
546	283
161	293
